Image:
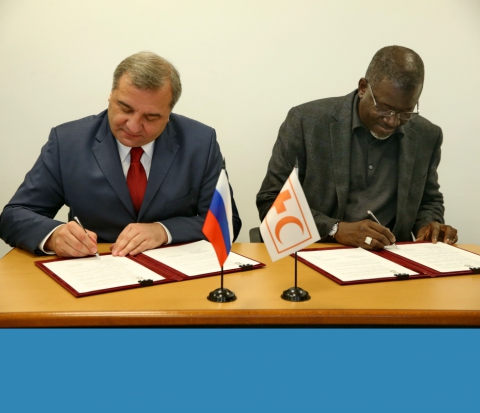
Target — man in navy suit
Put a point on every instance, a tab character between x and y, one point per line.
85	164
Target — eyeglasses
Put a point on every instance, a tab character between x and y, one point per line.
387	113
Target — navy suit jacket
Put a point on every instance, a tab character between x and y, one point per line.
80	167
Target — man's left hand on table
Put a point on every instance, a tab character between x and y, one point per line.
136	238
437	232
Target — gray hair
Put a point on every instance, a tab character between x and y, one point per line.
399	65
148	71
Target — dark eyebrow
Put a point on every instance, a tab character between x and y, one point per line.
122	103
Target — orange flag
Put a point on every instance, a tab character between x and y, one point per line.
289	225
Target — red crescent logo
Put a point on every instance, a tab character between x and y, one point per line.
285	221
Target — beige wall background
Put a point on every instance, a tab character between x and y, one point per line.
243	64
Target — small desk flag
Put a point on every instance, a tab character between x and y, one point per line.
218	227
289	225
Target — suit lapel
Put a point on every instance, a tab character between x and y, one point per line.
166	147
406	161
106	153
340	135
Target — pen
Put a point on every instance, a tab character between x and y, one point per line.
375	218
81	226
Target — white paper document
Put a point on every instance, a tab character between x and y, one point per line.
440	257
93	274
354	264
196	258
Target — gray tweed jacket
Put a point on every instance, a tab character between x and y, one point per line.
318	133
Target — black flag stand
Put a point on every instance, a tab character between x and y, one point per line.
295	293
222	295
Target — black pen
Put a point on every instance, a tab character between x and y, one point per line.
375	218
81	226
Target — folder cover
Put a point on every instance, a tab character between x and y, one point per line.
90	275
432	260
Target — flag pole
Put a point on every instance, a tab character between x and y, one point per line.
296	294
222	295
296	269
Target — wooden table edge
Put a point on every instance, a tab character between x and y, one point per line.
244	318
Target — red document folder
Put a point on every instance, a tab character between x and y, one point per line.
170	274
422	270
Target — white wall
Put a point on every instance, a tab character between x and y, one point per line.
243	65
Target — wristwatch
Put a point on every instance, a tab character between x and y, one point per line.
334	229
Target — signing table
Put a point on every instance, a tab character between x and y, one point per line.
30	298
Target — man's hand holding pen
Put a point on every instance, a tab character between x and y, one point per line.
373	236
71	240
366	234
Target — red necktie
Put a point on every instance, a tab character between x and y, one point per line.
136	178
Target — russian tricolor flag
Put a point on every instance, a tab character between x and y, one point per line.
218	226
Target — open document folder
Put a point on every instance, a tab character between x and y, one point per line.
347	265
92	275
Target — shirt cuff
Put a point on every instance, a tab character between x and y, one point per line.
169	236
43	241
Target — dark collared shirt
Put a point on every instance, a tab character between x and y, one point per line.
373	174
